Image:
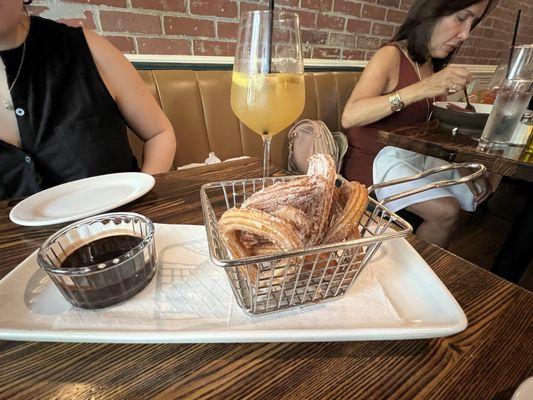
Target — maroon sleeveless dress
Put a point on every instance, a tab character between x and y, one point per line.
363	145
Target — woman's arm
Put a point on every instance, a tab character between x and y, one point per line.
138	107
369	101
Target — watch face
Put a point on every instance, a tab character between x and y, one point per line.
396	103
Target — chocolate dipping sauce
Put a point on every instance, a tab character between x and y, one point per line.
110	284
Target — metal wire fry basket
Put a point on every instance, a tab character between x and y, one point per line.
263	284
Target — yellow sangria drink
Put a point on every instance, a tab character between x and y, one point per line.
267	103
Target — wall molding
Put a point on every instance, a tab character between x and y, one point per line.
150	60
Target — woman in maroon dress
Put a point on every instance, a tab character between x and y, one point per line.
397	88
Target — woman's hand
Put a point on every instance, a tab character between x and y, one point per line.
483	186
449	80
480	188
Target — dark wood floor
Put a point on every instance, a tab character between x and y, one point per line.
481	234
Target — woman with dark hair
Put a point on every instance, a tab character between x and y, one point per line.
66	97
396	89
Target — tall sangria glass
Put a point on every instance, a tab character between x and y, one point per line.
268	91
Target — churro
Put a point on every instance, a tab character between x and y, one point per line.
322	171
356	201
295	193
296	214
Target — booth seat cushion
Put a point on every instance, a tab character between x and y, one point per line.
197	104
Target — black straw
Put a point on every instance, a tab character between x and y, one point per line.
270	30
517	23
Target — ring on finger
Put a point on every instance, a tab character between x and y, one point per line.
452	90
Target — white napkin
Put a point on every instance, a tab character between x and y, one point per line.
189	292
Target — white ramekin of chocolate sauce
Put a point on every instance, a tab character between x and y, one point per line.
102	260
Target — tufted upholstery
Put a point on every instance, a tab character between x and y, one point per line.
198	106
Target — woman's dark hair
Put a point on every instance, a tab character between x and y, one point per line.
420	22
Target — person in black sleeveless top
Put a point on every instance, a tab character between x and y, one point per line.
396	89
66	97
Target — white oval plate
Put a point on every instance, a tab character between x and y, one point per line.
82	198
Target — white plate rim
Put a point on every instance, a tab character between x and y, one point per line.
147	183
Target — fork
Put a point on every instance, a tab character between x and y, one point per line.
469	107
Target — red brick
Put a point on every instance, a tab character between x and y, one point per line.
406	4
164	46
290	3
165	5
358	26
113	3
116	21
327	22
219	8
364	42
369	54
307	19
383	42
395	15
503	53
389	3
189	26
213	48
342	40
373	12
348	54
123	43
314	37
347	7
322	5
326	52
382	29
465	60
503	13
486	53
489	22
227	30
506	26
246	7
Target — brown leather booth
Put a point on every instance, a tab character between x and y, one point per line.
198	106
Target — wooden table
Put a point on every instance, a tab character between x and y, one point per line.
486	361
431	139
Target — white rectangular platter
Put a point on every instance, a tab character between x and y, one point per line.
190	301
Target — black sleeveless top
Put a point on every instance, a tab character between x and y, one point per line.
70	126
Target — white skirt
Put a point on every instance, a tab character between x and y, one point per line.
395	163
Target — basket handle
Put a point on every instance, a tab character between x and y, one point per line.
478	170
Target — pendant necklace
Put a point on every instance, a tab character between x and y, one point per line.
5	103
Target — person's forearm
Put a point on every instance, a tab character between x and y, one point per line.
158	152
366	111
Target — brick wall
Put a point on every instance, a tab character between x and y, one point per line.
331	29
